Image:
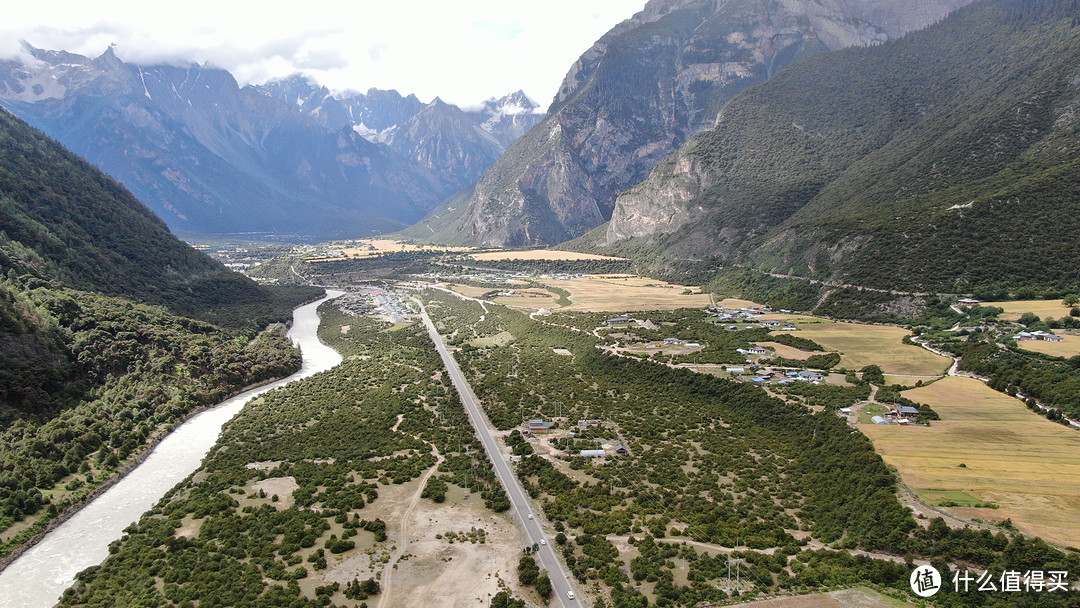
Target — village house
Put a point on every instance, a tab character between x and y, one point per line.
1037	335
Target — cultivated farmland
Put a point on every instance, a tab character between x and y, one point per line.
860	345
623	293
1011	457
539	254
1068	347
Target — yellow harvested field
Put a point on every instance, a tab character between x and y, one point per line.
372	247
861	345
625	293
540	254
1066	348
469	290
1043	308
1014	458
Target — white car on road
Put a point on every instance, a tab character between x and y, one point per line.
570	595
543	542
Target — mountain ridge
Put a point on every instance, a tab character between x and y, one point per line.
639	93
210	156
947	162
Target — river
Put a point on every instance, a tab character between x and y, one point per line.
39	577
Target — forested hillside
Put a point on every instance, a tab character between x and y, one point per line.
63	220
946	161
99	352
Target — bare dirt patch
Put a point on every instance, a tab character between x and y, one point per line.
433	571
859	597
282	487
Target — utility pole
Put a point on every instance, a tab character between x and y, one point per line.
737	573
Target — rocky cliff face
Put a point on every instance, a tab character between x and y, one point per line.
641	91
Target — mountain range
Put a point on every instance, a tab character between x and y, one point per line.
947	161
212	157
641	92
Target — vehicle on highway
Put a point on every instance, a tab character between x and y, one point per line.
543	542
530	515
570	594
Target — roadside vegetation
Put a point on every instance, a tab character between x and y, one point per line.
715	469
384	417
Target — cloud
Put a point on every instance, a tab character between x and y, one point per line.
463	51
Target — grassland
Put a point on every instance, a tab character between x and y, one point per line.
860	345
624	293
1066	348
1012	457
540	254
1043	308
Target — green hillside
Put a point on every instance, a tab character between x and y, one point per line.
63	220
947	161
104	339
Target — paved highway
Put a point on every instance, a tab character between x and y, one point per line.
521	506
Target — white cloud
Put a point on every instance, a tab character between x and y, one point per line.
461	51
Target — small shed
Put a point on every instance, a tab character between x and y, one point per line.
907	410
592	453
879	420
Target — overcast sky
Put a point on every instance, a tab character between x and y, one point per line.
463	51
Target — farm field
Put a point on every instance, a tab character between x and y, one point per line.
540	254
1043	308
1025	464
860	345
624	293
1066	348
373	247
469	290
858	597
